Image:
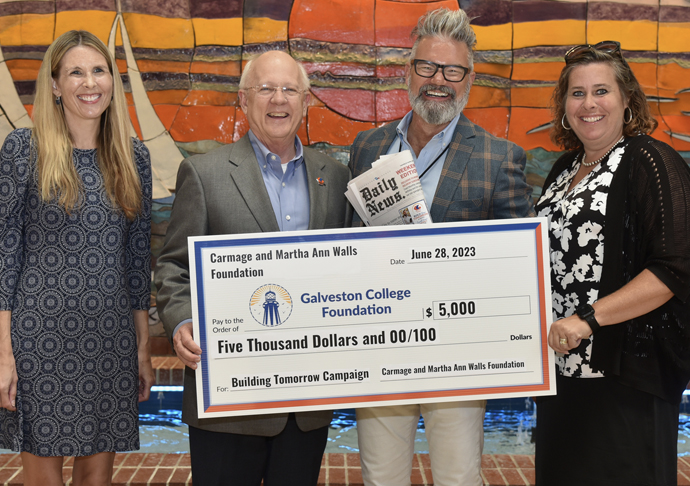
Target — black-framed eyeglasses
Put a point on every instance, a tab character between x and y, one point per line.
451	73
577	52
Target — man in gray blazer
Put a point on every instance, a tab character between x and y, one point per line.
467	174
267	181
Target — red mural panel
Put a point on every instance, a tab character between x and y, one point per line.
678	130
391	105
241	125
350	21
524	120
341	68
166	114
204	123
493	120
327	126
395	20
352	103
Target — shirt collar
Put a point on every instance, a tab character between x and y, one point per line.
272	160
446	135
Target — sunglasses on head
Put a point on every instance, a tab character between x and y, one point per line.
578	52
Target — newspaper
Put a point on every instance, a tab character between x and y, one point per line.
389	193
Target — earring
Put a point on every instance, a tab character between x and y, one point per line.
563	122
58	100
627	119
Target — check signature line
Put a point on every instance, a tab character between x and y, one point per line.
417	377
446	260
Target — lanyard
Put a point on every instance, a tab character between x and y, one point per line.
430	165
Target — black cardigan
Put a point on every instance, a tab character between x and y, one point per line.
647	227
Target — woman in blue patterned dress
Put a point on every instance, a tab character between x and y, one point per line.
618	204
75	202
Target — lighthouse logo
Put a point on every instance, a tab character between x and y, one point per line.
270	305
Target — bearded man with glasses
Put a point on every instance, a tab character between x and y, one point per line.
266	181
467	174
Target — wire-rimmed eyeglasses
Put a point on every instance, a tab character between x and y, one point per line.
609	47
452	73
267	91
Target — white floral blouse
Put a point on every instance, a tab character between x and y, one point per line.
576	236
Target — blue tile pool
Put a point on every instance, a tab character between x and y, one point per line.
508	425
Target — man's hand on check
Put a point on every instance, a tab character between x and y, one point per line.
187	350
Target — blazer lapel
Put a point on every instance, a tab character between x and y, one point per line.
389	134
245	171
370	145
454	166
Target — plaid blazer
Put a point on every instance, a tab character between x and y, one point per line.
483	175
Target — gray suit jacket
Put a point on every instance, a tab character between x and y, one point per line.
223	192
483	175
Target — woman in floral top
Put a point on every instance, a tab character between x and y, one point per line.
618	204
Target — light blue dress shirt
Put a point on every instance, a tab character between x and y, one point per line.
286	185
429	153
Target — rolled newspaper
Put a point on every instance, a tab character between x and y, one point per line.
389	193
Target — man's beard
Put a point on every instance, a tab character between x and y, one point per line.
438	112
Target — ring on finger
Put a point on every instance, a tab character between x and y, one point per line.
563	341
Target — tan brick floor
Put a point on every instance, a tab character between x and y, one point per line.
169	370
137	469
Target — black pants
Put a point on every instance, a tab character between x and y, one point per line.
291	458
598	432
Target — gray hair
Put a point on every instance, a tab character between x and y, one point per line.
249	71
446	24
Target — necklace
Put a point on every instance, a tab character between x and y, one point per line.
590	164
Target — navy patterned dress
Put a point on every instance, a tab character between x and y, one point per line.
71	281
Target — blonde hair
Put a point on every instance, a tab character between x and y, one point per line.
57	176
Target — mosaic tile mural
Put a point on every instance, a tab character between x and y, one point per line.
181	61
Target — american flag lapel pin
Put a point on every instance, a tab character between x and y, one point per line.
320	181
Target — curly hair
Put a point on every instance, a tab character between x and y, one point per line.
642	120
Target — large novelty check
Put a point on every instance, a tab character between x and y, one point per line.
345	318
